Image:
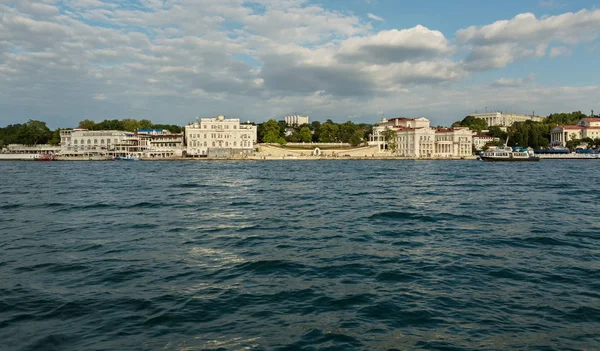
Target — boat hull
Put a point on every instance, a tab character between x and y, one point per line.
505	159
126	159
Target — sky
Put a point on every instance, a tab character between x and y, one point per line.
171	61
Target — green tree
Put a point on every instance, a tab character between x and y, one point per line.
474	123
147	124
316	128
356	138
55	140
573	144
34	132
497	132
346	131
9	135
271	132
113	124
131	125
87	124
304	135
391	138
328	132
565	118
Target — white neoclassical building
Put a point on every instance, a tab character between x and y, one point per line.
585	128
505	119
296	120
416	138
225	136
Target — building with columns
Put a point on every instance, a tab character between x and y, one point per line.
296	120
416	138
504	120
585	128
95	142
220	135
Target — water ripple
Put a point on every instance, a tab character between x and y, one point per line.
339	255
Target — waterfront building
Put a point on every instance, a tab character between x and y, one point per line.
31	149
585	128
296	120
94	142
222	133
162	143
504	120
481	140
416	138
165	144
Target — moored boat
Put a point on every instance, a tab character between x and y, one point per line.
46	157
507	154
128	157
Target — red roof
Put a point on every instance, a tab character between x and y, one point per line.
591	119
400	119
482	136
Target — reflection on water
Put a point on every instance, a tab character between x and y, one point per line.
330	255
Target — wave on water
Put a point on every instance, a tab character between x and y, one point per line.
298	256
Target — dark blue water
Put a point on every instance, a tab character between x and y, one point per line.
300	255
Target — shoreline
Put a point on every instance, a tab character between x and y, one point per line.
273	158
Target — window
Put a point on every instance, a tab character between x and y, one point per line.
205	136
89	141
213	144
205	143
234	127
75	142
226	143
102	141
234	143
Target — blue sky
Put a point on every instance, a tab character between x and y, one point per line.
171	61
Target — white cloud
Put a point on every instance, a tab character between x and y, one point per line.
170	61
375	17
502	42
395	46
514	82
560	51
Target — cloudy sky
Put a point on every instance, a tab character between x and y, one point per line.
171	61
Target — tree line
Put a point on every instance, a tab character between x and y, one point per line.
31	133
280	132
127	124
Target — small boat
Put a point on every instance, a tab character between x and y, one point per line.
45	157
127	158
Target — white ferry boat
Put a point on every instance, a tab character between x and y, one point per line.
507	154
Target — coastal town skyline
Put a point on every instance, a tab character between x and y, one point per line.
64	61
